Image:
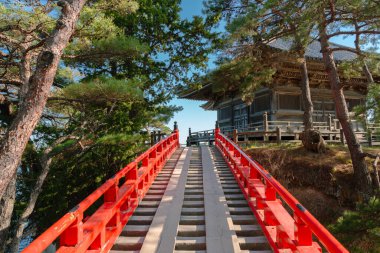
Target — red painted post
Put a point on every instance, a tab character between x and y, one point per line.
73	234
153	154
253	174
145	161
111	194
99	241
132	174
217	132
270	193
302	233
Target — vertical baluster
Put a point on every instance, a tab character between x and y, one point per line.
270	195
253	174
73	234
302	233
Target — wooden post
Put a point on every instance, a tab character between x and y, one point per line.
278	132
341	136
235	135
330	122
154	137
330	126
265	121
265	125
151	138
370	135
159	136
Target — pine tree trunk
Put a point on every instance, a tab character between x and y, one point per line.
23	220
6	209
306	96
311	139
31	108
361	173
367	73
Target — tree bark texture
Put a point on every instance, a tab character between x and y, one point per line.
40	82
6	209
361	172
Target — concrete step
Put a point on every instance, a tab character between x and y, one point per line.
128	243
238	196
193	198
135	230
193	191
156	192
140	211
149	204
189	251
152	198
237	203
243	219
140	220
193	204
191	230
193	211
194	187
253	243
248	230
192	220
240	211
190	243
232	191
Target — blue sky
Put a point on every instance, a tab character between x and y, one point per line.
192	114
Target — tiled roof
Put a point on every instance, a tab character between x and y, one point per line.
314	49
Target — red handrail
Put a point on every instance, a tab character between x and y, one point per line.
100	230
261	190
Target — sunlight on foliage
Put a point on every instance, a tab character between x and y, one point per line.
359	230
103	90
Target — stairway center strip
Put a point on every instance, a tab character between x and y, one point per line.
220	235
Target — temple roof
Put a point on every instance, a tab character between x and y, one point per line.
288	72
314	50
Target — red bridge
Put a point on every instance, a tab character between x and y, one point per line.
193	199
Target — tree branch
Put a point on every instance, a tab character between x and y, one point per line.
352	33
14	82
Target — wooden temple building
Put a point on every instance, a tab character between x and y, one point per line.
280	103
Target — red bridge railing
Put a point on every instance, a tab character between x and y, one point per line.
121	195
265	195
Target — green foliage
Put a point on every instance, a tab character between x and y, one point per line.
371	109
25	16
359	230
174	47
108	117
244	75
103	90
64	77
118	139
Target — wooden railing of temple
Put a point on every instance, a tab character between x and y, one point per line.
267	199
121	195
277	130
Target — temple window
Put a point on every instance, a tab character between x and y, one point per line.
225	113
289	102
261	103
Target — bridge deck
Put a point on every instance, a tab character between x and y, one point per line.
194	205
